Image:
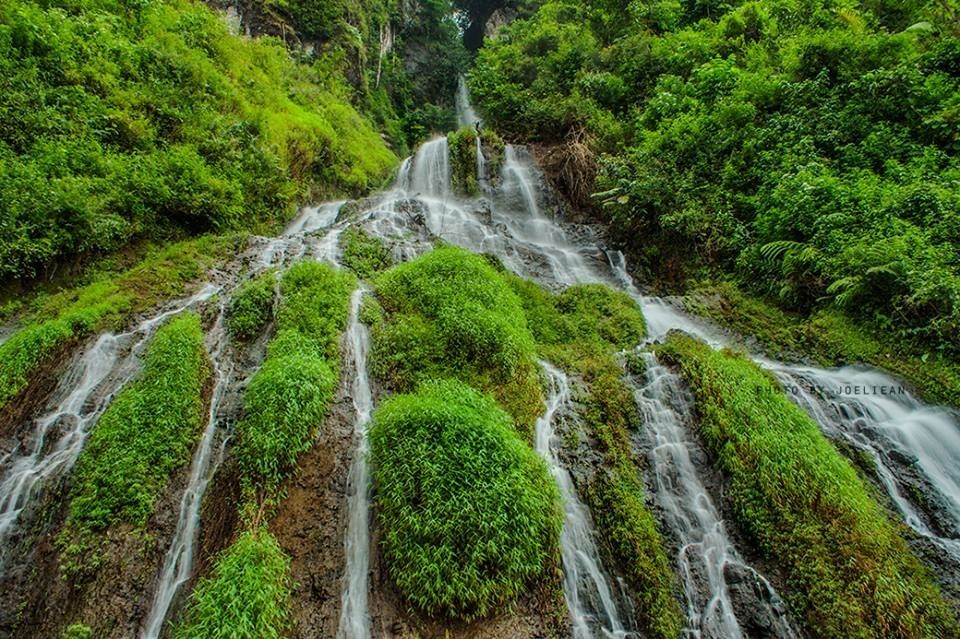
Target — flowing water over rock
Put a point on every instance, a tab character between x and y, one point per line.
354	613
587	588
58	436
178	562
709	566
913	447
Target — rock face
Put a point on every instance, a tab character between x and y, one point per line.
499	19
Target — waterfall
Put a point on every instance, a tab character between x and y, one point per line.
706	554
354	615
586	586
466	114
870	411
100	373
178	562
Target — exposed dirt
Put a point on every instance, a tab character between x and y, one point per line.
16	413
310	522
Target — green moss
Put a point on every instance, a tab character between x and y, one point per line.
849	571
450	314
470	514
463	161
77	631
251	306
247	595
287	399
494	151
830	337
364	254
145	435
103	304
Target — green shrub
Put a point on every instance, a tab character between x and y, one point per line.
247	595
288	397
364	254
849	571
450	314
145	435
470	514
463	161
494	151
251	306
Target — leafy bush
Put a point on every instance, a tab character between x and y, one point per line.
364	254
251	306
850	572
469	512
146	434
77	631
246	597
804	148
288	397
450	314
463	161
120	123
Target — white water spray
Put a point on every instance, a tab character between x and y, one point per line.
354	613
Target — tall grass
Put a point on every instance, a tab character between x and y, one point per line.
251	306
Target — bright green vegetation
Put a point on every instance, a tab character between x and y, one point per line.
581	329
251	306
288	397
363	253
127	120
146	434
830	337
470	514
806	147
449	313
463	161
77	631
245	597
57	320
849	570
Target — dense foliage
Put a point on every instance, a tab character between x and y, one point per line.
245	597
470	514
850	572
251	306
55	321
286	400
363	253
127	119
807	146
449	313
147	432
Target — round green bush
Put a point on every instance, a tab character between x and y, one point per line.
470	514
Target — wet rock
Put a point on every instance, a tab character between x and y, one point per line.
903	457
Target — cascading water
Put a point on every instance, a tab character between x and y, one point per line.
466	114
706	554
354	614
101	372
870	411
586	587
178	562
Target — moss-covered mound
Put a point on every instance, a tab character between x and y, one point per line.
247	595
850	572
363	253
450	314
289	396
146	433
251	306
469	512
463	161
